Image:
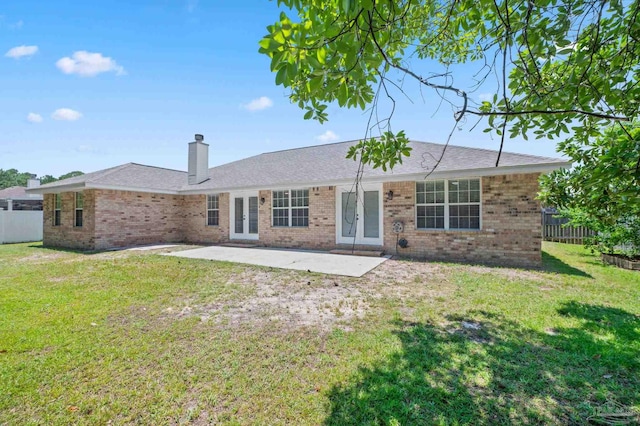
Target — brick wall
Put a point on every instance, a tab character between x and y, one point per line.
67	234
196	230
125	218
510	234
321	233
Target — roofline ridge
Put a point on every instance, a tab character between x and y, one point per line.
110	171
308	146
155	167
491	150
410	140
280	150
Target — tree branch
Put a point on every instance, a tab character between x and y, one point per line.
550	112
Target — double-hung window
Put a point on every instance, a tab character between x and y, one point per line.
79	209
448	204
290	208
213	210
57	209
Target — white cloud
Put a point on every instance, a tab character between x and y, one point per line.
66	114
88	64
21	51
17	25
258	104
32	117
327	136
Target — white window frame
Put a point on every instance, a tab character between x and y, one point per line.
78	209
57	209
447	204
211	199
289	208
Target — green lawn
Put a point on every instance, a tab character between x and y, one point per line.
134	337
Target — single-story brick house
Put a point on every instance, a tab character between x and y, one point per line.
466	210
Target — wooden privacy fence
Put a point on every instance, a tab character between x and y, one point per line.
554	229
566	234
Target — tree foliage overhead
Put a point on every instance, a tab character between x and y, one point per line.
602	190
558	68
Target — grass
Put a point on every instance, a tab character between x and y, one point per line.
133	337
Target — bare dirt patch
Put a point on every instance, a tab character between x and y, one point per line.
293	298
44	257
296	299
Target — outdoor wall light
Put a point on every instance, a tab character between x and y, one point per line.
390	195
262	200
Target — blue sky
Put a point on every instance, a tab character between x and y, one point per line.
89	85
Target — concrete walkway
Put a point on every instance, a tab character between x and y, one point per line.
301	260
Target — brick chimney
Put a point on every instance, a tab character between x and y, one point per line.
198	161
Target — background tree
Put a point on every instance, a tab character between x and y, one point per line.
557	68
47	179
13	177
71	174
602	190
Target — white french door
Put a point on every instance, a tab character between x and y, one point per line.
243	216
359	216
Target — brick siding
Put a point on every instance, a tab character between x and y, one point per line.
67	234
511	230
194	214
125	218
321	232
510	234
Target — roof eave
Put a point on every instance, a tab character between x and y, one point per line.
57	188
489	171
90	185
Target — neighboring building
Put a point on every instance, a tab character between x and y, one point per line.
465	210
21	216
17	198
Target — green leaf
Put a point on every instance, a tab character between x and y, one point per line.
281	76
321	54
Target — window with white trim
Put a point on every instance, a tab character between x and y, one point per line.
213	210
57	209
79	207
290	208
448	204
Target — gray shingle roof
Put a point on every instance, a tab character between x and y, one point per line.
130	175
326	163
309	165
16	193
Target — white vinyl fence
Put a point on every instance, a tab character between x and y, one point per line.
20	226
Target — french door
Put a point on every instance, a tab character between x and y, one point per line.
359	215
243	216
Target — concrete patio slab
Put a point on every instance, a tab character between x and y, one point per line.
301	260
